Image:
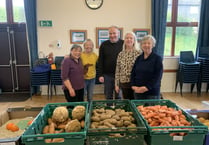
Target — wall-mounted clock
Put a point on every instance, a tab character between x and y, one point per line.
94	4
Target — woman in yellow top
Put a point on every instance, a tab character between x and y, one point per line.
89	59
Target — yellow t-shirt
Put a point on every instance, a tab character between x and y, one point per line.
89	58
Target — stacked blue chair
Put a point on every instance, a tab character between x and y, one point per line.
40	75
204	52
58	61
188	72
55	76
204	71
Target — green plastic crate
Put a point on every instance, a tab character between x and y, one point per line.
161	135
102	136
33	135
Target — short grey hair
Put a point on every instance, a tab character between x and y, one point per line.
149	37
113	26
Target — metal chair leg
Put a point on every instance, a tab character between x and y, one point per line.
207	88
181	86
192	87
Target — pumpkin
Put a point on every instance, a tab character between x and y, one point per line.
12	127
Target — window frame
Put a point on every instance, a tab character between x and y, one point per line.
9	13
174	24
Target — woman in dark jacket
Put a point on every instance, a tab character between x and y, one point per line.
147	71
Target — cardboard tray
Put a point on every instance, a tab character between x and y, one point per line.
204	114
16	113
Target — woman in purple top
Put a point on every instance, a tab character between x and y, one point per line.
72	75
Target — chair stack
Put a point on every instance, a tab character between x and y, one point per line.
55	77
40	75
204	71
188	72
58	61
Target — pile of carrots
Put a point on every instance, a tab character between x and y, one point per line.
158	116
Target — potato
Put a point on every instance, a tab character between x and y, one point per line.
119	123
94	124
109	125
46	129
111	121
105	116
117	117
51	128
126	118
61	126
95	118
82	123
101	110
126	123
110	112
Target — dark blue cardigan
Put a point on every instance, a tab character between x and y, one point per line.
148	72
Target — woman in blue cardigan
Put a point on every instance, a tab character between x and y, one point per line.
147	71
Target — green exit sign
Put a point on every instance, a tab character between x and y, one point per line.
45	23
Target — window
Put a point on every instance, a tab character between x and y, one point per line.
3	15
182	26
12	11
18	11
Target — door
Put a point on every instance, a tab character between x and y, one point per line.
14	58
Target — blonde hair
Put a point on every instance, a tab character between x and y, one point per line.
135	45
88	40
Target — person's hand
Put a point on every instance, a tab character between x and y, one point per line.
66	56
117	89
86	67
72	92
139	89
101	79
143	89
134	88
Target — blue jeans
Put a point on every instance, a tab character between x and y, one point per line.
89	88
109	88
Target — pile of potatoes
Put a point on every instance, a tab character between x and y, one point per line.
112	119
60	121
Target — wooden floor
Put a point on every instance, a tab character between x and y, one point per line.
187	101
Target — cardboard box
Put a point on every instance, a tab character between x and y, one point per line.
15	113
204	114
